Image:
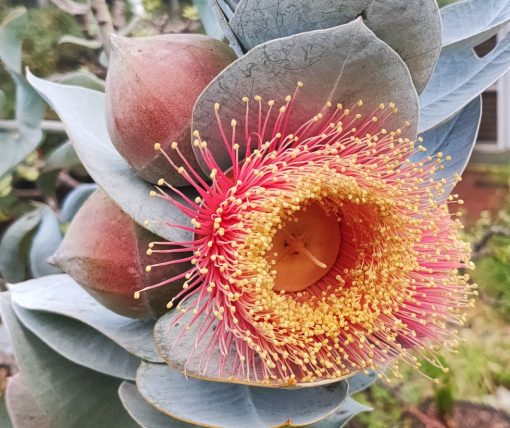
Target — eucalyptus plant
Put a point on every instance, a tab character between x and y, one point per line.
293	242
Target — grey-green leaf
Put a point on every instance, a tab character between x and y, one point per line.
143	413
209	21
80	41
60	294
343	64
470	22
223	12
411	27
44	243
361	381
21	406
349	409
64	156
70	396
455	138
460	76
79	343
5	419
177	342
84	79
74	200
229	405
11	38
85	122
17	145
13	254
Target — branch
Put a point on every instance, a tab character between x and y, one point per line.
71	7
119	14
478	247
104	22
424	418
46	125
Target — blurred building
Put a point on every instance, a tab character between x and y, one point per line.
485	184
494	133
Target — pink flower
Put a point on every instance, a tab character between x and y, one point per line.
322	252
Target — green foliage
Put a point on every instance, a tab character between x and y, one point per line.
41	51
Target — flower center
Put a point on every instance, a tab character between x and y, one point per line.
305	248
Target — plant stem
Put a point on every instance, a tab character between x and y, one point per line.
104	22
46	125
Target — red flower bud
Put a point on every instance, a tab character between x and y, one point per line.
105	252
152	85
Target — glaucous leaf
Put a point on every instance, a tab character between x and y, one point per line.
44	243
223	12
83	112
142	412
70	396
455	138
79	343
21	406
29	107
84	79
59	294
361	381
64	156
181	349
227	405
328	62
80	41
209	21
5	420
460	76
17	145
349	409
470	22
411	27
11	38
74	200
13	254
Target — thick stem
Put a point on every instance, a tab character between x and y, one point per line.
46	125
104	22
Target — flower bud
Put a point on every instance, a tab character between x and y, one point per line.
105	252
151	87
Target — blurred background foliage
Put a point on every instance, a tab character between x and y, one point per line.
39	196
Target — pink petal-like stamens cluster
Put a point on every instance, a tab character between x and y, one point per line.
395	290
